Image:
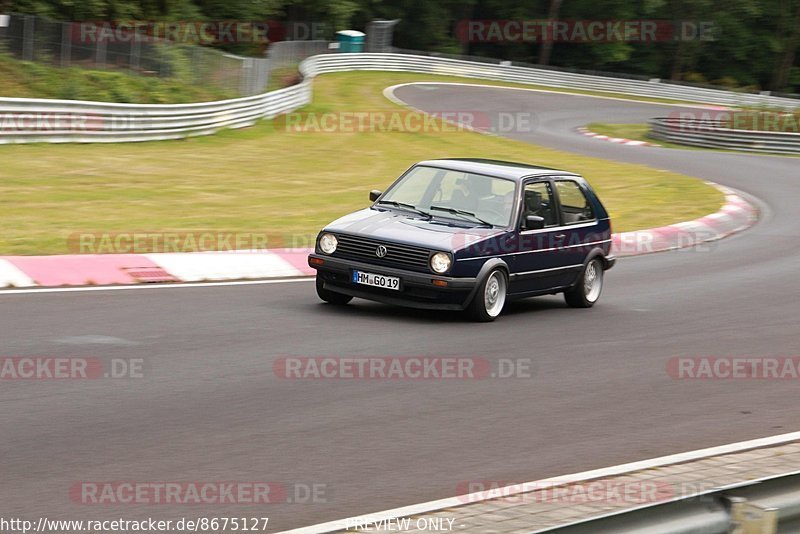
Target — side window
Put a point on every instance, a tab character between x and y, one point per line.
538	200
575	207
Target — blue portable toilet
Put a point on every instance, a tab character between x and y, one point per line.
350	40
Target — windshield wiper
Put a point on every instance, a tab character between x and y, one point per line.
411	207
454	211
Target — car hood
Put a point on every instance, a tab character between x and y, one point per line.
406	228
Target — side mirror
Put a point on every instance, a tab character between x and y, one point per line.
374	194
534	222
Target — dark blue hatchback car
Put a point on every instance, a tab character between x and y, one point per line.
469	234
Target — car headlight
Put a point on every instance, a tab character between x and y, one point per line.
440	262
328	243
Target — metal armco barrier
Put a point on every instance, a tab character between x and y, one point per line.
769	506
58	121
714	134
64	121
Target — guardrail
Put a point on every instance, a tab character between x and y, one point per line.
768	506
504	71
715	134
64	121
58	121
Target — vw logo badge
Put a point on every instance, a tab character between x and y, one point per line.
380	251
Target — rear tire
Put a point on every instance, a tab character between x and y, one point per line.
490	297
331	297
587	290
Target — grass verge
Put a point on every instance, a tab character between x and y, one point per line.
265	179
636	132
26	79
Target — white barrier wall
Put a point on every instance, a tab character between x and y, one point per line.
25	120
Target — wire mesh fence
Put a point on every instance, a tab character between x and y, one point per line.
284	59
290	53
69	44
119	46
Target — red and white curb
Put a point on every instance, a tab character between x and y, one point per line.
115	269
123	269
737	214
617	140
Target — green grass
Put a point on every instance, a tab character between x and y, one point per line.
25	79
265	179
288	75
283	77
639	132
636	132
627	131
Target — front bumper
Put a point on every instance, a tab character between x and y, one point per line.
416	289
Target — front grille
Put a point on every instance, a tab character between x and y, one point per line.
403	256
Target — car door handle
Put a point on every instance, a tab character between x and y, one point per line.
560	236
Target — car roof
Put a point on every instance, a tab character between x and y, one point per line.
502	169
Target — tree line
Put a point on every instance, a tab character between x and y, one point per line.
749	44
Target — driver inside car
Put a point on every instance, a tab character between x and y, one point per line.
468	192
535	205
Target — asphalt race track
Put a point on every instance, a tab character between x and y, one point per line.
210	408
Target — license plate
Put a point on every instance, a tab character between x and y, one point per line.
376	280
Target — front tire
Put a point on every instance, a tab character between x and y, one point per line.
490	297
331	296
587	290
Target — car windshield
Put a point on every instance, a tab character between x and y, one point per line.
471	198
